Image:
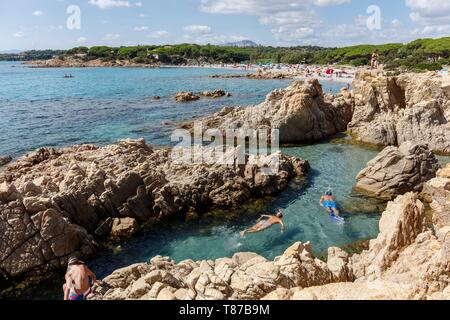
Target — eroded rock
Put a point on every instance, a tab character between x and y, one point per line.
410	107
395	171
301	112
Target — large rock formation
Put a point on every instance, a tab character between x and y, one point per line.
56	203
395	171
301	112
409	107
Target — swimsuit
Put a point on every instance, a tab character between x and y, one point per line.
74	296
329	204
265	224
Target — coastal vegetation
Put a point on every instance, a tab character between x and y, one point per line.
418	55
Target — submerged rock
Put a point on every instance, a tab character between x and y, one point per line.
216	94
186	97
301	112
124	227
410	107
395	171
59	202
5	160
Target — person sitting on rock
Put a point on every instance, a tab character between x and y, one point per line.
78	276
270	220
327	201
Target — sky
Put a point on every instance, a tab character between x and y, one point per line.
63	24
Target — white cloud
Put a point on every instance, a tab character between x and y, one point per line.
432	15
327	3
213	38
436	30
138	4
429	12
197	29
106	4
81	40
285	35
160	34
37	13
143	28
110	37
396	23
296	19
423	10
19	34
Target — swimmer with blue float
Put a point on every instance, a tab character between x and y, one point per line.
329	203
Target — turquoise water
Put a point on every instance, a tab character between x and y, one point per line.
40	108
334	166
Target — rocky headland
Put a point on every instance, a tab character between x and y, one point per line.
302	113
60	202
259	75
73	62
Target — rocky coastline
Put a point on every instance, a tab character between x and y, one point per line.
302	113
60	202
408	260
259	75
70	62
379	110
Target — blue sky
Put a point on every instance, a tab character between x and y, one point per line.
41	24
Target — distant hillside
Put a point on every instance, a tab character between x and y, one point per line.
10	51
31	55
421	54
242	44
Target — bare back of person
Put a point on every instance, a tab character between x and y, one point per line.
267	223
78	279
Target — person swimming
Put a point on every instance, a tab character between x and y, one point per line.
327	201
270	220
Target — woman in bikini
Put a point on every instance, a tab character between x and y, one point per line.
374	60
267	223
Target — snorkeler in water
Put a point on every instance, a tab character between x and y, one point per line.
327	201
265	222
